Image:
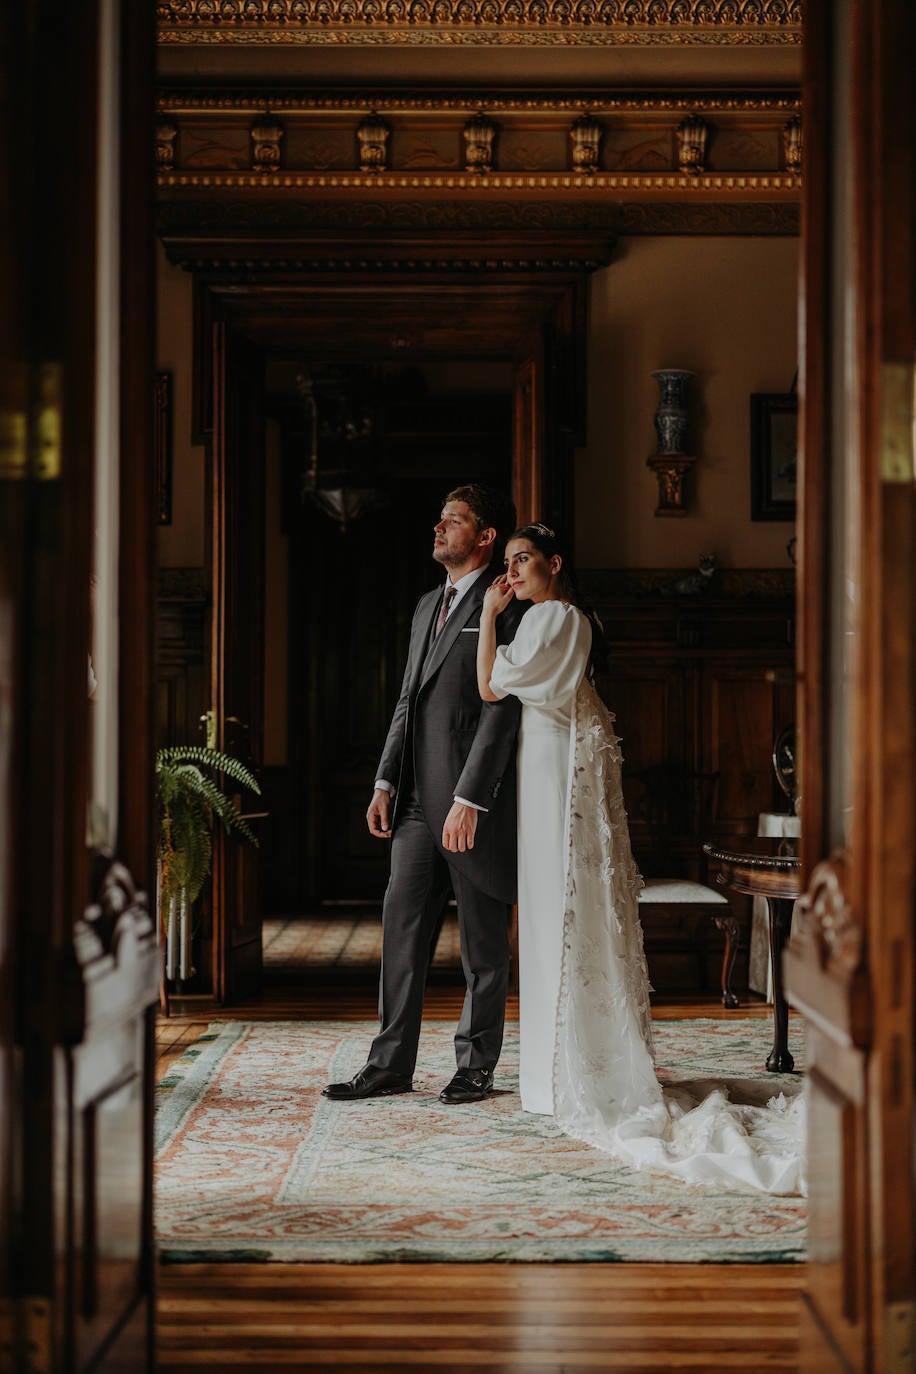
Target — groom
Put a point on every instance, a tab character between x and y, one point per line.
445	797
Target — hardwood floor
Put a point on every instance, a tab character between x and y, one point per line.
463	1317
454	1319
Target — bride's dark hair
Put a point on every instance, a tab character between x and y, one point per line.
546	541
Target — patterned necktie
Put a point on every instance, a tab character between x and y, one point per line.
447	599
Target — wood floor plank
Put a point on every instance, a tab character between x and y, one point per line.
455	1362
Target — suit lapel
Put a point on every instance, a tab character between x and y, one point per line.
469	603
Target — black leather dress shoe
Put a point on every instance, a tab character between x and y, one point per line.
468	1085
369	1082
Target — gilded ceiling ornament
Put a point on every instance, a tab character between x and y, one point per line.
793	144
472	21
692	134
585	136
479	137
266	134
372	134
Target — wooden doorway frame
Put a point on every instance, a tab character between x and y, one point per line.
851	967
537	322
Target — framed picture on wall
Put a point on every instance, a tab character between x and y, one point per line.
774	455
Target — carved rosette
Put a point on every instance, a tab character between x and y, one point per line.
372	134
479	140
585	137
266	135
793	144
166	134
692	136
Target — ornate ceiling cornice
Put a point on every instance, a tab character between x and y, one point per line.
377	182
649	23
177	101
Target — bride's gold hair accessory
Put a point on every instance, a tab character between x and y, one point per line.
545	530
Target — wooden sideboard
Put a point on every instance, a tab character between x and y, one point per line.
701	685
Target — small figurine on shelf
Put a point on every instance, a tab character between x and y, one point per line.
695	583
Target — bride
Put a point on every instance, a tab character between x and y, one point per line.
585	1022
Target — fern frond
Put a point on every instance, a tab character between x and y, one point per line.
212	758
190	801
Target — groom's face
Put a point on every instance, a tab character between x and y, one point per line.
458	537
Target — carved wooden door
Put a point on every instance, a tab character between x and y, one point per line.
79	957
237	670
850	965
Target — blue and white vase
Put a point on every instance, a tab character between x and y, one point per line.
671	416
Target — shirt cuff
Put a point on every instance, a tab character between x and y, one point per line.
464	802
500	692
383	786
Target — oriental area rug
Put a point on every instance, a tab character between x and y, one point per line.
254	1164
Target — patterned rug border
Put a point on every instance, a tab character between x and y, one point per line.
187	1079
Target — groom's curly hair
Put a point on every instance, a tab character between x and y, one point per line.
491	509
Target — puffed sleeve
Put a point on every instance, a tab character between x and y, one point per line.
546	660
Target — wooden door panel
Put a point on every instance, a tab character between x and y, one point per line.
826	982
739	727
650	703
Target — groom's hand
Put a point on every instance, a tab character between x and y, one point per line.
378	817
460	828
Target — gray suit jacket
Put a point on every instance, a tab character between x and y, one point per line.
447	742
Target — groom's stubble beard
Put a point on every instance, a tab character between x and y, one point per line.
455	557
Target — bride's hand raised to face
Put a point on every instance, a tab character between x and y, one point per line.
498	596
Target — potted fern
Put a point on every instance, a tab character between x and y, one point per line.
190	802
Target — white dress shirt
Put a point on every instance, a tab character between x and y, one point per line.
463	585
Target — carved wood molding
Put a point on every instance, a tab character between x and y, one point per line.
649	23
825	959
462	144
218	220
705	217
117	920
742	183
827	926
180	100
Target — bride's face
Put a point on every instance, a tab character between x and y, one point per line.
530	575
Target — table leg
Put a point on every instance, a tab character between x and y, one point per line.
780	922
729	928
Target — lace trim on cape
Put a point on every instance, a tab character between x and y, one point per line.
605	1089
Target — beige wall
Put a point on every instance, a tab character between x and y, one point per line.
181	544
725	308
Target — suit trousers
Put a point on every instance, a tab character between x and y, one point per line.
417	892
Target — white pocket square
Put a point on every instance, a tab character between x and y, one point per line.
471	630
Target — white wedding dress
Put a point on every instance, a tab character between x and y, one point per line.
585	1022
